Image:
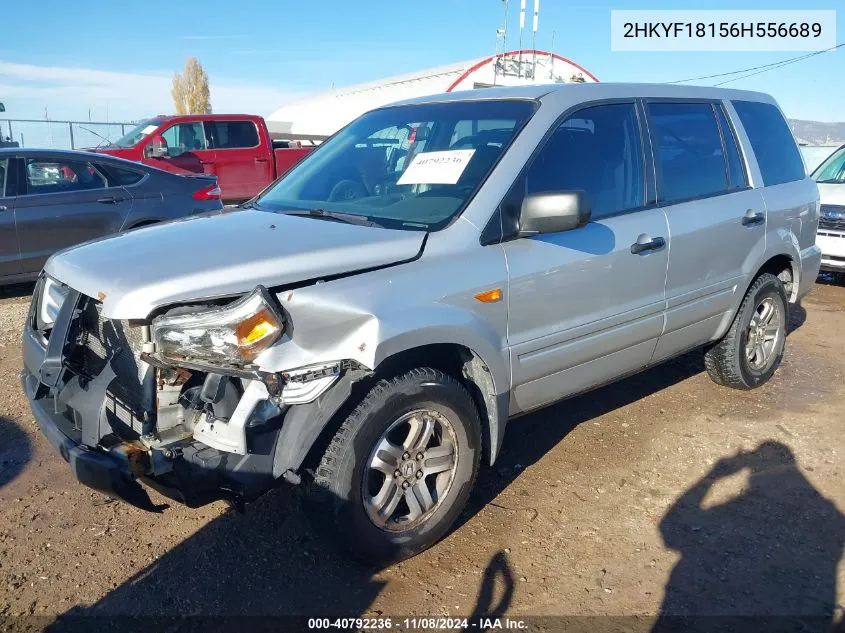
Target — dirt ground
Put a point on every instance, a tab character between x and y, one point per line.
661	494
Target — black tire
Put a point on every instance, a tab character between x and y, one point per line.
338	494
726	361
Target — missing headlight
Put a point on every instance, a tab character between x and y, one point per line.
53	295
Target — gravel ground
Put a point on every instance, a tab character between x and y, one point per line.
663	493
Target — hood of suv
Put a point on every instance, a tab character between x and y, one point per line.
211	256
832	194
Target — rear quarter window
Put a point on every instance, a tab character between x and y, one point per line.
121	175
772	141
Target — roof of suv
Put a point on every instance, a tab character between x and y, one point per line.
592	91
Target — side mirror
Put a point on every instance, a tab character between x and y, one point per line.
553	212
156	148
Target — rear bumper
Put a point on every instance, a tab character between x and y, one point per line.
832	245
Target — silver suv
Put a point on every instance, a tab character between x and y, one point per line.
372	321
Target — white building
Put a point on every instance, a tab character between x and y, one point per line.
325	113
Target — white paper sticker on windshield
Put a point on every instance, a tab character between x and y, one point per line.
436	168
149	129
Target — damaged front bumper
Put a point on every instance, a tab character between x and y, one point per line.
111	446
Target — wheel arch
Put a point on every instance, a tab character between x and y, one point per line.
456	360
785	268
469	368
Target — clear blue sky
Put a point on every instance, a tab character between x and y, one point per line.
116	58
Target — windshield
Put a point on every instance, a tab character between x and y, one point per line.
408	167
832	170
138	133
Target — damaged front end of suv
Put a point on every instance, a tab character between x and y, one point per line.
346	325
176	401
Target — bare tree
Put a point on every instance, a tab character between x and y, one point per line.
190	91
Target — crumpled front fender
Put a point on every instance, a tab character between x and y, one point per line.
329	325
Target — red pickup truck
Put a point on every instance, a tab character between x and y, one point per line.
237	148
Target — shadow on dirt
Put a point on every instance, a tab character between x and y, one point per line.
15	450
529	438
773	549
797	317
265	570
831	278
489	604
13	291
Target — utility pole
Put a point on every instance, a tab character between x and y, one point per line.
505	30
521	27
534	40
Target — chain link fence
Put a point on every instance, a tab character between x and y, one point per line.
60	134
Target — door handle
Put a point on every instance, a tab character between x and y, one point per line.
110	200
752	219
206	162
647	243
258	159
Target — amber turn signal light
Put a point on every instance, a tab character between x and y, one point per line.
490	296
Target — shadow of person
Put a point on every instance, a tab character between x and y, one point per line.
488	606
15	450
763	560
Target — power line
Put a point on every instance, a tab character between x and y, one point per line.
763	68
744	70
786	63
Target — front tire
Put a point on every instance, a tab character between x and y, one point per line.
753	347
400	468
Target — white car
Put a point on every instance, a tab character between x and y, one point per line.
830	177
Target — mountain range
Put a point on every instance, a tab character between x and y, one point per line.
818	132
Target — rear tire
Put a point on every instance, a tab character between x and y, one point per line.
400	468
753	347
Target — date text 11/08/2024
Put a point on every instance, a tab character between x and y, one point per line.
417	624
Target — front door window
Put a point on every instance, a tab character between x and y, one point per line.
183	138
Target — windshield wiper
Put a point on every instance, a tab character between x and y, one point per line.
830	181
347	218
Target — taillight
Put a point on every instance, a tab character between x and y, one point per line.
212	192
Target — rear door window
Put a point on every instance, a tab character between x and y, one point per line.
232	134
597	150
49	175
688	151
183	138
772	141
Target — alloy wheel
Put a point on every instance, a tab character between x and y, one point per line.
410	470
